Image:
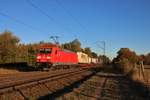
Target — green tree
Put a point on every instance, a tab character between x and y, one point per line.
125	60
88	51
94	55
128	54
146	59
105	59
74	45
66	46
8	46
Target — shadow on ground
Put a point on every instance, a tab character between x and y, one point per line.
124	88
22	67
114	87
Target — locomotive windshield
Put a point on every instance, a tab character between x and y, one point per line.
45	50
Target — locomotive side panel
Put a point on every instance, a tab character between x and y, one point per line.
66	57
70	57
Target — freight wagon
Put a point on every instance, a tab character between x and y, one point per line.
83	58
94	60
50	55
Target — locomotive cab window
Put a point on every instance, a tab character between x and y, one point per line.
45	50
41	50
48	50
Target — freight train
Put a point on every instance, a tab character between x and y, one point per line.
50	55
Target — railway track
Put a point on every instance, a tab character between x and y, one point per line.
37	85
71	84
107	86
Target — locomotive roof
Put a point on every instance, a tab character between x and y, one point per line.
47	45
68	51
54	45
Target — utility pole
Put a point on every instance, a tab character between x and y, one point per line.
103	47
55	39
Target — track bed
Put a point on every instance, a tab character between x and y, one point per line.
35	85
72	84
107	86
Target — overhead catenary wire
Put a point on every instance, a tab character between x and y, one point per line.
18	21
71	15
47	15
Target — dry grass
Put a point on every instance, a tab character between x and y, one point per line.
147	73
7	71
135	76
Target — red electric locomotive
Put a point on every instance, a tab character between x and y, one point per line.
50	55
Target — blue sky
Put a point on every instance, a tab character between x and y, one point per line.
120	23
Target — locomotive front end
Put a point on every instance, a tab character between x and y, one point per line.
43	58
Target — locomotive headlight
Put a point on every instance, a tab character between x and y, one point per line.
48	57
38	57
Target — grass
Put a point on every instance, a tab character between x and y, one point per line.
147	73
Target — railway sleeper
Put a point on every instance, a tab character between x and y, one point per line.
88	95
40	87
54	86
9	89
15	95
32	90
67	81
73	79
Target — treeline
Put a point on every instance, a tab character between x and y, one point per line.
75	46
12	51
145	59
126	60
